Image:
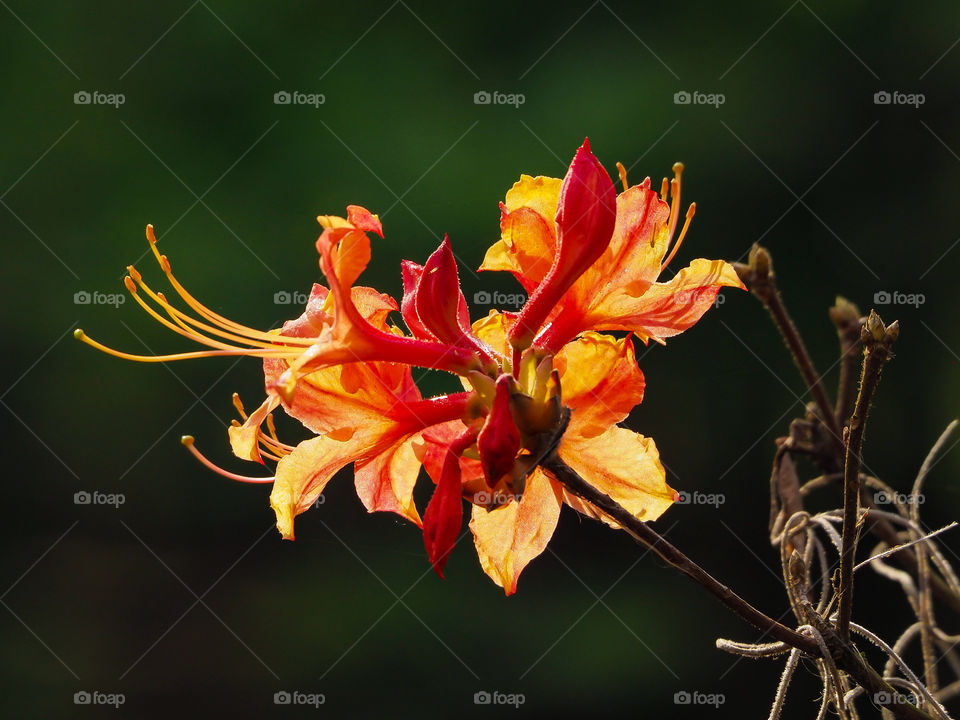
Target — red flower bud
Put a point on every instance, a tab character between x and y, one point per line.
586	215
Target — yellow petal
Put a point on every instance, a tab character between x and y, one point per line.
245	439
303	474
492	329
537	193
624	465
528	230
509	537
601	381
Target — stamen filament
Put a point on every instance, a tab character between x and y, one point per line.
79	334
188	443
199	307
622	171
691	211
181	318
187	333
239	406
675	202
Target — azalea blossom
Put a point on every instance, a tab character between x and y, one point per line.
591	261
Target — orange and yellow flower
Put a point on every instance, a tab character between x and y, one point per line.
590	260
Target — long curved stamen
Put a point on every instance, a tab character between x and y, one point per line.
188	443
195	304
253	342
675	198
691	211
80	335
177	328
192	325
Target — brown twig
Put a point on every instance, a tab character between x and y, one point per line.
844	653
649	537
846	316
758	275
877	339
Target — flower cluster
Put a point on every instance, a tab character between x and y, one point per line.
589	259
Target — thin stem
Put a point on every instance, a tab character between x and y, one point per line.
647	536
846	655
877	339
759	276
925	603
846	317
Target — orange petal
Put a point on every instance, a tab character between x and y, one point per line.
386	483
509	537
528	230
601	381
667	309
624	465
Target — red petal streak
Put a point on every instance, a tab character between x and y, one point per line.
499	440
586	216
444	515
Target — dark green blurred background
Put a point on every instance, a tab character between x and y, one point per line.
184	599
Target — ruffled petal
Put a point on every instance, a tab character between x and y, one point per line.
304	473
386	482
667	309
601	381
507	538
624	465
528	231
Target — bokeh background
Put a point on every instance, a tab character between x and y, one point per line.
183	598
